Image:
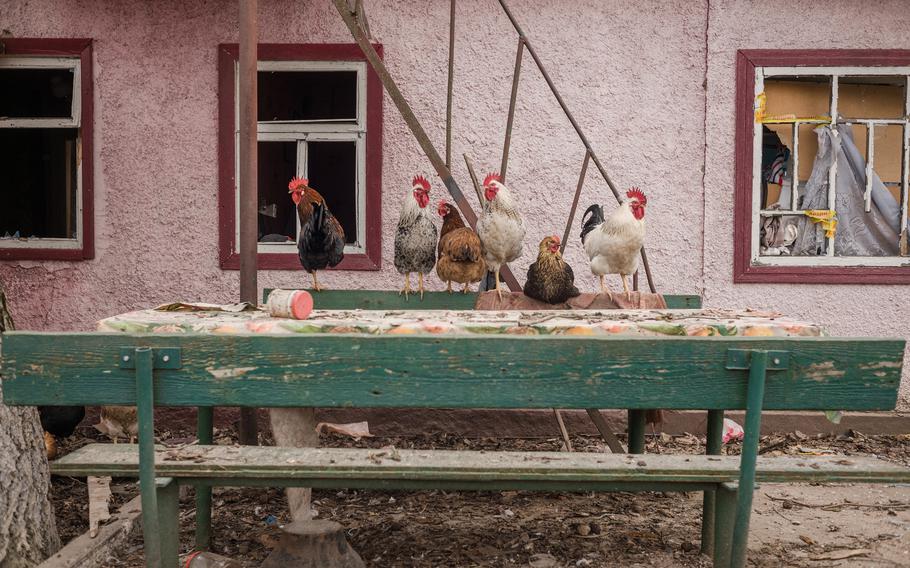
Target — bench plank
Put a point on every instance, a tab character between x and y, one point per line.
325	370
339	467
389	300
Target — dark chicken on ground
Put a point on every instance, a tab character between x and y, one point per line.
550	279
415	241
59	422
460	252
321	243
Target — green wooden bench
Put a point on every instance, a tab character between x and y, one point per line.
332	370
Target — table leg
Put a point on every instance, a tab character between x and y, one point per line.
714	443
296	428
204	433
637	425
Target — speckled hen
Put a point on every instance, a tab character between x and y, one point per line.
415	241
550	278
500	227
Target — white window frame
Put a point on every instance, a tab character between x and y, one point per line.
834	73
304	131
73	121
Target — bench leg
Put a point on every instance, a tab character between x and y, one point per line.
714	443
168	520
758	368
204	433
145	408
724	519
637	423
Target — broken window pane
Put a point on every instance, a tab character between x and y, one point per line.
38	184
277	217
36	93
307	95
332	169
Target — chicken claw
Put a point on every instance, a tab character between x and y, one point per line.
407	286
498	289
316	285
449	286
465	289
420	284
604	290
625	287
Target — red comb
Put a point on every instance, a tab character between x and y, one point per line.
421	181
297	183
442	207
635	193
491	177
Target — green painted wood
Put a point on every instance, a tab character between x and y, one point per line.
724	520
714	444
167	492
637	423
388	300
758	373
452	371
143	385
340	466
204	435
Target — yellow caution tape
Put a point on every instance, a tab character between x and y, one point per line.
826	217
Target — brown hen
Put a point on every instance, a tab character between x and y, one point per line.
460	252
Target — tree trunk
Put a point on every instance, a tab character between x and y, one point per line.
28	534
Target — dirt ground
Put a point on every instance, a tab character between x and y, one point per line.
792	525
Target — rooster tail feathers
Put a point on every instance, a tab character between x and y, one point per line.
597	218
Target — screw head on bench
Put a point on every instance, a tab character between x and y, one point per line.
126	358
166	358
776	361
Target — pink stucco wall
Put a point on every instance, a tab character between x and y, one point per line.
635	73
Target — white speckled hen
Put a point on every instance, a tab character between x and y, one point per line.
415	241
500	227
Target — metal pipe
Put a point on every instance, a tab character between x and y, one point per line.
416	129
581	183
249	38
474	181
451	84
508	140
714	445
575	125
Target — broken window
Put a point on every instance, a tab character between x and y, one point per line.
312	118
831	166
41	137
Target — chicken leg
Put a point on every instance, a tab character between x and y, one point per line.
316	285
465	289
625	287
449	286
498	289
407	286
420	284
603	288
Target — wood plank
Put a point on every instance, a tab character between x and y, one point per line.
498	371
388	300
341	464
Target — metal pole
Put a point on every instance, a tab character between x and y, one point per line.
581	182
714	445
416	129
145	415
249	39
451	84
474	181
571	117
515	76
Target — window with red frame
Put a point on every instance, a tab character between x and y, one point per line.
822	168
46	149
319	117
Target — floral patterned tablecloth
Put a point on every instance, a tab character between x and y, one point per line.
703	322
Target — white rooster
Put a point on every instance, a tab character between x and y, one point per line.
500	227
614	244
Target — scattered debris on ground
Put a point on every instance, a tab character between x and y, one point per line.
792	526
